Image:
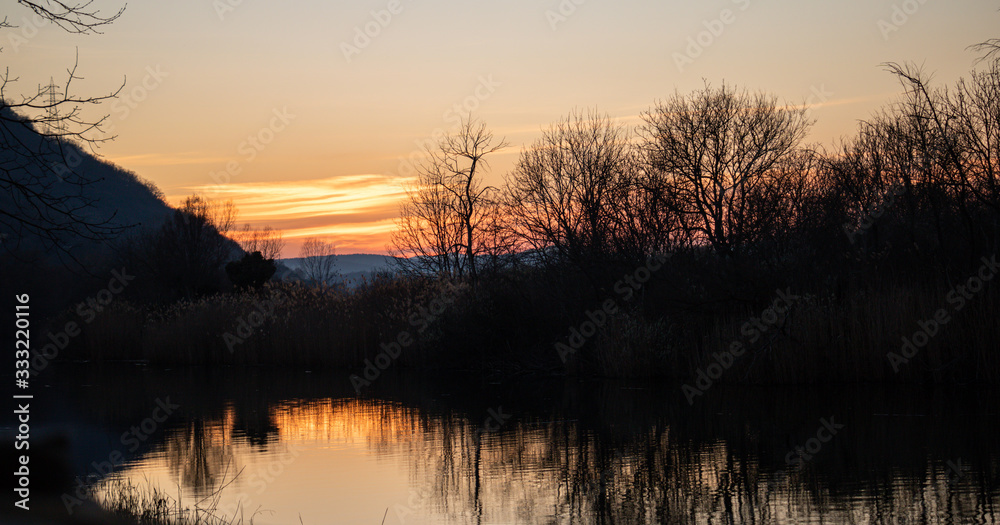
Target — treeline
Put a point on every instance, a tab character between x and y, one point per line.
200	250
709	237
721	171
197	250
872	237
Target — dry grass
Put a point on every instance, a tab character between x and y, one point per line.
148	505
825	339
822	339
631	346
281	324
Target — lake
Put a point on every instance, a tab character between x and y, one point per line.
464	448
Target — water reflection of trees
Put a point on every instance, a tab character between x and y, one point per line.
604	453
566	472
562	472
200	454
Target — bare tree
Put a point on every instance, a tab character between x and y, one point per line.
443	223
267	240
953	136
41	136
796	181
716	151
319	262
427	232
220	214
569	192
185	256
974	108
500	242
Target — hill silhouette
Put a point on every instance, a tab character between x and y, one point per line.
82	188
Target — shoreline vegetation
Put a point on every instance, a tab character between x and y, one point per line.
708	244
129	503
519	323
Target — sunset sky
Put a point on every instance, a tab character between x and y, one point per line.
315	123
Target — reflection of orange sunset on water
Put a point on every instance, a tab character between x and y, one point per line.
424	468
331	420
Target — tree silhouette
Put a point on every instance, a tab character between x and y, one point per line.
444	223
186	254
569	192
716	151
252	271
319	262
77	18
268	241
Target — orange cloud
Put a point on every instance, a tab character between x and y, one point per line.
355	212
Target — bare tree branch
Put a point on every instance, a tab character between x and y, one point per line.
77	18
41	136
716	152
990	49
268	241
319	262
445	221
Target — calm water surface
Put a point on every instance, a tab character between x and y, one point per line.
467	449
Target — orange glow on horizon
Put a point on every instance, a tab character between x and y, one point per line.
355	212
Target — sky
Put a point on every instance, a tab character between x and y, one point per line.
310	115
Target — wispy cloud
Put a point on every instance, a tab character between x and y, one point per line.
166	159
356	212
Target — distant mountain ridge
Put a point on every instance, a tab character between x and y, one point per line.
353	268
350	263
